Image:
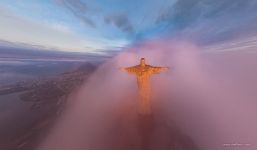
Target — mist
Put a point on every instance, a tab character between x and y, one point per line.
210	96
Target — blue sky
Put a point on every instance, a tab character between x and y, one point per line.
101	25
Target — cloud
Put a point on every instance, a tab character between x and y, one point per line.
80	10
248	45
85	13
181	13
184	11
17	29
204	92
210	20
121	21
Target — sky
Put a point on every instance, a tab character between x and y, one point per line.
95	26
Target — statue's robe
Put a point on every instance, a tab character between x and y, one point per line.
143	74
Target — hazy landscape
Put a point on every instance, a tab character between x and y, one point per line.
33	92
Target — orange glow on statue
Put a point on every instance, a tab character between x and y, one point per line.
143	73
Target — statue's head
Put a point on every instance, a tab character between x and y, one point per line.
142	62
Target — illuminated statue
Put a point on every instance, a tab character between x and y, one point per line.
143	73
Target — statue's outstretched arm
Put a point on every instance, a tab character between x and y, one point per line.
130	70
157	70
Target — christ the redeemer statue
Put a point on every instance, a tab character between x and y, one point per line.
143	73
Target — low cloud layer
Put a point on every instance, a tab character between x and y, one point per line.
210	96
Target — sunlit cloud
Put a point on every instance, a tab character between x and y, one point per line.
52	36
96	26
